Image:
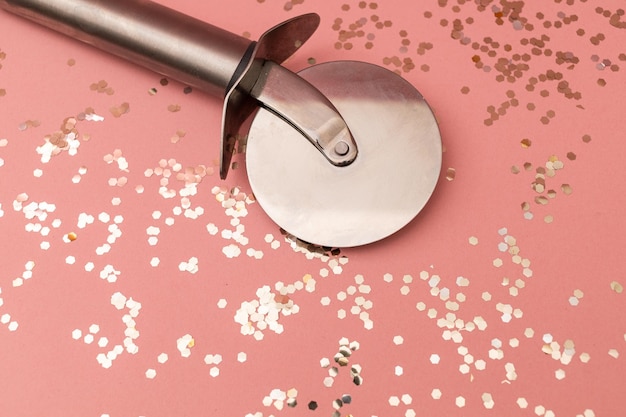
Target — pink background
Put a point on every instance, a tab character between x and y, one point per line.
525	318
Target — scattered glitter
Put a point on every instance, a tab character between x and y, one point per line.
178	136
29	124
102	87
367	31
190	266
617	287
118	111
184	345
263	313
278	398
488	401
231	251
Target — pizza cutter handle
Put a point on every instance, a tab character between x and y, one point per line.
245	73
157	37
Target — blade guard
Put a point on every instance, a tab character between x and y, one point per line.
277	44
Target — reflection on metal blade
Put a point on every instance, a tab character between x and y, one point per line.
386	186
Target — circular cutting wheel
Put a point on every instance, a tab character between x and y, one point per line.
392	178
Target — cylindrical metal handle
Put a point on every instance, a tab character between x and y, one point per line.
152	35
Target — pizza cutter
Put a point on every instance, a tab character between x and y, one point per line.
340	154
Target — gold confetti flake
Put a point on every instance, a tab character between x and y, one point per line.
566	188
28	124
102	87
174	108
617	287
450	174
119	111
178	136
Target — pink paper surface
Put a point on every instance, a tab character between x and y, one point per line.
134	282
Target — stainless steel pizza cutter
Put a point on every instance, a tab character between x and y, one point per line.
341	154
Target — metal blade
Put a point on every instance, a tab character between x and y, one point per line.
389	183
